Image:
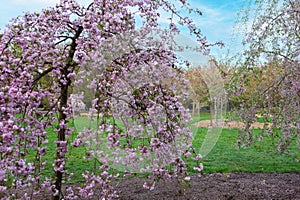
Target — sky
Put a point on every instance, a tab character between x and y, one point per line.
217	22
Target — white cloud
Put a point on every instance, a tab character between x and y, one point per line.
218	23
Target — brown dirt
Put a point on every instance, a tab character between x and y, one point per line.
219	186
216	186
228	124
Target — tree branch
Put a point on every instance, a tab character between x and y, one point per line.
44	73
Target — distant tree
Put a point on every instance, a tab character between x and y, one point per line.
199	90
268	82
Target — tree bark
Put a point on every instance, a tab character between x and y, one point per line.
61	137
210	113
64	95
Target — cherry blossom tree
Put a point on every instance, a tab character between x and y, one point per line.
273	41
65	43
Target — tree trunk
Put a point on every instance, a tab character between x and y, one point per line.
210	112
193	113
61	136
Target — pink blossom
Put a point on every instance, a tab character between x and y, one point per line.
199	168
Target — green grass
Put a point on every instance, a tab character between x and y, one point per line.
260	157
201	116
224	157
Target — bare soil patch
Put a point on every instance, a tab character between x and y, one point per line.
229	124
216	186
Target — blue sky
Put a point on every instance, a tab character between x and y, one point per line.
217	22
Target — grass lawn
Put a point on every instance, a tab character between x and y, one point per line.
225	157
260	157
